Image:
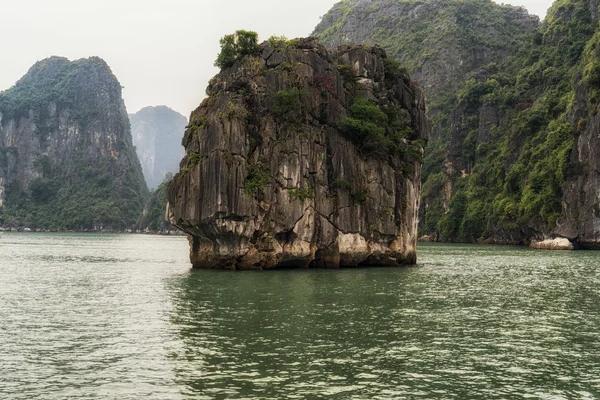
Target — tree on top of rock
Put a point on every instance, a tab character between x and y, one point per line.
235	46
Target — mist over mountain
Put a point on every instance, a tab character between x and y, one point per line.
157	134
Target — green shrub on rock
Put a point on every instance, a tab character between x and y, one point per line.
258	177
194	159
374	133
287	104
301	194
281	43
235	46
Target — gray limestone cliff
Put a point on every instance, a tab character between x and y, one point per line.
301	157
440	42
66	155
157	133
513	155
580	220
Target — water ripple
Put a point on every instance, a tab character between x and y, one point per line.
123	317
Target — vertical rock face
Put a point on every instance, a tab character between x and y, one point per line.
157	133
514	156
66	156
286	168
580	221
441	42
457	50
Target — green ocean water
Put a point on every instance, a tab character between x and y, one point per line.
90	316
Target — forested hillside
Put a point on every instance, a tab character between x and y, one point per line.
66	156
503	166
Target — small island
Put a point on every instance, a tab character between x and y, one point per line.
302	157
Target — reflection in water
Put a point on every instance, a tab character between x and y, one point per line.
124	317
292	332
471	322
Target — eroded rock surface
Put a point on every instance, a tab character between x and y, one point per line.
553	244
271	180
580	221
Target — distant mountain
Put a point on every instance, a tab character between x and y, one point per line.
66	156
157	134
153	218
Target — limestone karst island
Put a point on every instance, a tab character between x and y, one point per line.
303	157
332	199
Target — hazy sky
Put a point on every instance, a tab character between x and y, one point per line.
162	51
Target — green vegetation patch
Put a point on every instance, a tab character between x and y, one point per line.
236	46
516	172
83	196
377	133
154	219
194	159
301	194
281	43
258	177
359	196
61	82
287	105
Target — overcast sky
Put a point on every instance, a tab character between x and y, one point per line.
162	51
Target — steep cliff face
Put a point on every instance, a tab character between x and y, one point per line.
300	157
513	149
66	156
440	42
509	140
580	221
157	133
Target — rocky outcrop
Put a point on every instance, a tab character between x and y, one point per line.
553	244
157	133
513	156
66	155
441	42
580	220
455	49
283	167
